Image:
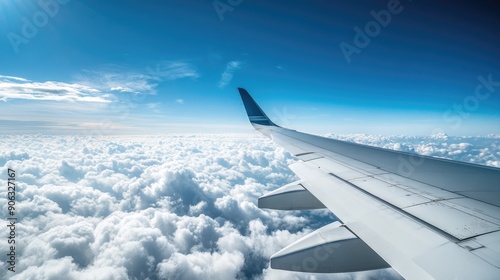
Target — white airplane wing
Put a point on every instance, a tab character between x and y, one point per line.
428	218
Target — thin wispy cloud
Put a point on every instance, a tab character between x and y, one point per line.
116	78
2	77
173	70
111	93
122	89
228	73
154	107
21	88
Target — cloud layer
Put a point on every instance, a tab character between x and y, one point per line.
173	207
483	150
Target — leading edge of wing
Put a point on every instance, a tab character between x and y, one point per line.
476	181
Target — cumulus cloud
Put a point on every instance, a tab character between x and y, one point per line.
20	88
228	73
171	207
474	149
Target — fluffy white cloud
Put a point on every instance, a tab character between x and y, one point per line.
474	149
201	265
173	207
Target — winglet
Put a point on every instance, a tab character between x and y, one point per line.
254	112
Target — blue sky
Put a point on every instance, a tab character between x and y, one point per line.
149	67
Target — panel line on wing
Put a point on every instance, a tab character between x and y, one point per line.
385	202
406	193
463	225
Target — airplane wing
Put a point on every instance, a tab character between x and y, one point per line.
428	218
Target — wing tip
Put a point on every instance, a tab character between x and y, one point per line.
255	114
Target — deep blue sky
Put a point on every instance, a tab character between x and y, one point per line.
173	66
